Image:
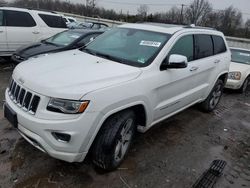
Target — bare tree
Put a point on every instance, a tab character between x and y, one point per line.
2	2
231	20
142	11
247	27
174	16
197	11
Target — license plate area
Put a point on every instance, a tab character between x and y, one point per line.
10	115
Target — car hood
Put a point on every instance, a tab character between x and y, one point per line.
72	74
36	49
243	68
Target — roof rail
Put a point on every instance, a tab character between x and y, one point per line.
193	26
160	24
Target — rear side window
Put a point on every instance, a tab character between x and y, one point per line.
53	21
19	19
203	46
1	18
219	45
184	46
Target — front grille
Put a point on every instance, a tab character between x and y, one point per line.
23	98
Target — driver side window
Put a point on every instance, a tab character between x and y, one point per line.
184	46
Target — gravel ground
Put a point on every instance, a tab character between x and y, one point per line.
172	154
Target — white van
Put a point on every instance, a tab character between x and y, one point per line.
20	26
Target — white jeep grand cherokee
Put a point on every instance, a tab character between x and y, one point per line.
132	77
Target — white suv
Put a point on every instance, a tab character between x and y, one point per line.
131	77
20	26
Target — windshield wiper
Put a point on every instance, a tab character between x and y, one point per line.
109	57
46	42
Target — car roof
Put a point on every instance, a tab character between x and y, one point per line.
30	9
169	28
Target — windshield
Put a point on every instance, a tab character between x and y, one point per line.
63	39
129	46
241	56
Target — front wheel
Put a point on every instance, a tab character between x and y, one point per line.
213	98
114	140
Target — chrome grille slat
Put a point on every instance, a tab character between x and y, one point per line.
13	89
22	98
31	99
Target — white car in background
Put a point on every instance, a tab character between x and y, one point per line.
68	19
239	73
19	26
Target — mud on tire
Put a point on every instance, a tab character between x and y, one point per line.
114	140
213	98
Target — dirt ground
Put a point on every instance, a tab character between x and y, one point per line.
172	154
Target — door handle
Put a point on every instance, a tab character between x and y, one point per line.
1	31
35	32
194	69
217	61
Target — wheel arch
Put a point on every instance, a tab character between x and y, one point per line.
140	112
223	77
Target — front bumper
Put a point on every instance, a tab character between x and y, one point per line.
234	84
38	132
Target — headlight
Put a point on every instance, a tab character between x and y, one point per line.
67	106
234	75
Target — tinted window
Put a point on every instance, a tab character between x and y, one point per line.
203	46
219	45
1	18
19	19
53	21
184	46
71	20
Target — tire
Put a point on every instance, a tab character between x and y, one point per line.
245	85
114	140
213	98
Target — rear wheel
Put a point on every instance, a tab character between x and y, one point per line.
114	140
213	98
245	85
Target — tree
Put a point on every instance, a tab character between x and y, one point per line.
142	12
197	11
174	16
2	2
231	20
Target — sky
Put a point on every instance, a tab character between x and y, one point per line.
164	5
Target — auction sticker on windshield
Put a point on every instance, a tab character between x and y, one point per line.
150	43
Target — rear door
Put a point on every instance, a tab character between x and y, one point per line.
52	24
3	35
203	68
21	29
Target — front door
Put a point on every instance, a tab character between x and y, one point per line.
174	87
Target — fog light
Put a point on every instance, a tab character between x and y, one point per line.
61	137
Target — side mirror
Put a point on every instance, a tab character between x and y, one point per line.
175	62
